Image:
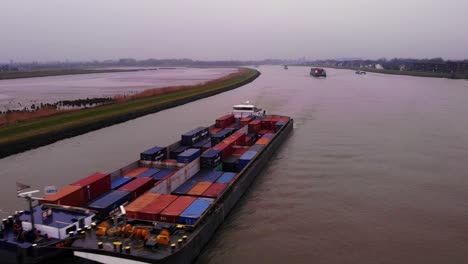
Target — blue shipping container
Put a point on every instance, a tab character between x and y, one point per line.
194	136
154	154
256	148
211	176
177	151
149	173
226	177
188	156
210	159
108	202
162	173
201	143
246	158
268	135
190	215
185	187
119	182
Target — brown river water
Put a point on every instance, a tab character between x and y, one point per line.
376	170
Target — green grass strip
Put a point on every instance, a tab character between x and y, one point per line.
94	116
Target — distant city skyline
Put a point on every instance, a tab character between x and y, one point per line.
55	30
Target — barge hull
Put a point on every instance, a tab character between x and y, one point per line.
208	226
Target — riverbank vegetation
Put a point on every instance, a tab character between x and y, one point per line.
59	124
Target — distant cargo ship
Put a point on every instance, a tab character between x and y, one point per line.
163	208
318	72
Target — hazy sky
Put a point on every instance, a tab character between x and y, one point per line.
238	29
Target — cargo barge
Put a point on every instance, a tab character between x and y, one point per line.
162	208
318	72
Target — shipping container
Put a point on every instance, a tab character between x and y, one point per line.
210	159
163	173
265	123
245	121
152	211
188	156
257	148
239	151
71	195
199	188
215	190
95	185
149	173
236	139
177	151
262	141
219	167
245	159
220	136
138	186
226	149
201	143
206	176
154	154
226	177
268	135
172	212
135	172
194	136
224	121
254	126
185	187
206	146
253	136
215	130
133	208
231	164
105	204
120	181
191	215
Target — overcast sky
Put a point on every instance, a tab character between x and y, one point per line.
43	30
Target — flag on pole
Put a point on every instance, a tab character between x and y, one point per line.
21	186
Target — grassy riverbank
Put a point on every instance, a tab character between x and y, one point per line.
26	135
54	72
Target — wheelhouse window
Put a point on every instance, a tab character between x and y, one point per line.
243	108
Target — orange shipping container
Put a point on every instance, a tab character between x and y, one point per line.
141	202
135	172
152	210
262	141
200	188
70	195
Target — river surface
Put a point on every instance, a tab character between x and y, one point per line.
376	170
16	94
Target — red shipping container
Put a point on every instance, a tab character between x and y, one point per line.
151	211
71	195
95	185
141	202
225	148
266	123
224	121
138	186
135	172
215	130
239	151
245	121
172	212
254	126
215	190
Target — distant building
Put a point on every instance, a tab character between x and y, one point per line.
379	67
